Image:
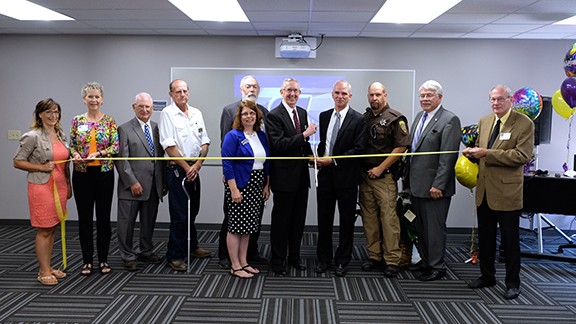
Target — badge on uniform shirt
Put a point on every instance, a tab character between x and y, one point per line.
382	122
403	126
199	129
504	136
244	142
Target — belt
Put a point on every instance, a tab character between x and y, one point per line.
187	161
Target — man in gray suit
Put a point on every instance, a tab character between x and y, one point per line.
140	183
431	177
250	90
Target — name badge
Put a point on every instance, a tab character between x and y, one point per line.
504	136
200	129
244	142
83	128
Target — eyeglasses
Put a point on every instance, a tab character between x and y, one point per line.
248	114
499	99
427	95
291	90
52	112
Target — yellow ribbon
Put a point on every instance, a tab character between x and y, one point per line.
63	216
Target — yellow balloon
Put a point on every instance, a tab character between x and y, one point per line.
466	172
561	107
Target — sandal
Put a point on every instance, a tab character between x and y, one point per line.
48	281
248	268
233	272
86	269
104	268
58	274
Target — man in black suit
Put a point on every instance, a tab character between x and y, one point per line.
431	177
250	89
288	132
342	132
140	183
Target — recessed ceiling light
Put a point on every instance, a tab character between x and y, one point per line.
211	10
26	10
412	11
567	21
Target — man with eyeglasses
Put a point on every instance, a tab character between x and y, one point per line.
342	132
288	133
431	177
249	88
505	142
387	133
183	134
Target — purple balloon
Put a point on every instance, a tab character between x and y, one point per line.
568	91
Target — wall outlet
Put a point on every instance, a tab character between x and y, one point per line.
14	135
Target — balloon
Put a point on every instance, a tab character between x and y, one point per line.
469	135
466	172
560	106
570	62
568	90
528	102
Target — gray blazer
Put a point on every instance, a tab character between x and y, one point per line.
228	115
436	170
133	143
36	147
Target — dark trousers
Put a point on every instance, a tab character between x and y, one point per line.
252	243
327	197
509	221
431	215
94	187
287	228
178	206
128	211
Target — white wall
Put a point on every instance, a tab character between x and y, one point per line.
36	67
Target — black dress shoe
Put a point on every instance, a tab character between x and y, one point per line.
131	265
224	263
511	293
279	270
432	275
482	282
391	271
371	264
257	258
419	266
298	265
322	267
150	258
341	270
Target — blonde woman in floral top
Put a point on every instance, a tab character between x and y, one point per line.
93	135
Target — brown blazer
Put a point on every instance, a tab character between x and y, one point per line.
501	171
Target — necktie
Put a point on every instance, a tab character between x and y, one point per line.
149	138
494	135
296	122
419	131
334	134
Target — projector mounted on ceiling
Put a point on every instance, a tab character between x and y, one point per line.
295	46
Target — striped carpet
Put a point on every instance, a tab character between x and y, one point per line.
158	294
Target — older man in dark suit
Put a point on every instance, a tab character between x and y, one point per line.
288	133
250	90
342	132
431	177
504	145
140	183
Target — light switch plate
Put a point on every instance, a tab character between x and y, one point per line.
14	135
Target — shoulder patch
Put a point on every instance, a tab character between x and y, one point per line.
403	126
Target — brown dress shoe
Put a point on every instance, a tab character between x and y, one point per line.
200	253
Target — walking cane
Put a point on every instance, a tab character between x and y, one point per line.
187	195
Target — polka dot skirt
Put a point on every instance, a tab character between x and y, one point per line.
244	217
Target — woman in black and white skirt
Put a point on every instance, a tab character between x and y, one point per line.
246	183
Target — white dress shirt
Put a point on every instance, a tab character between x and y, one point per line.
186	133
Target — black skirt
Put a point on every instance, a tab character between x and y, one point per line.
244	217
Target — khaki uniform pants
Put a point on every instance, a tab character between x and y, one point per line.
381	224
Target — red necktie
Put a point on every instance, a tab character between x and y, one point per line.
296	122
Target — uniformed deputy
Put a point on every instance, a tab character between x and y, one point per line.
387	133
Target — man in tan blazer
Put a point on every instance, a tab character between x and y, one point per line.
505	142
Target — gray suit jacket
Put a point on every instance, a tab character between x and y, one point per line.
228	115
133	143
436	170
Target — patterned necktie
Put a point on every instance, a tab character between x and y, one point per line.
296	122
149	138
419	131
494	135
335	130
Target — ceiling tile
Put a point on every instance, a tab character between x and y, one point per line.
533	35
449	28
507	28
489	6
317	33
556	29
383	34
271	16
489	35
113	24
467	18
436	35
393	27
275	5
542	18
181	32
337	26
347	6
342	16
169	24
129	31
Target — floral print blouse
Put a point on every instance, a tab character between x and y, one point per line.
106	139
